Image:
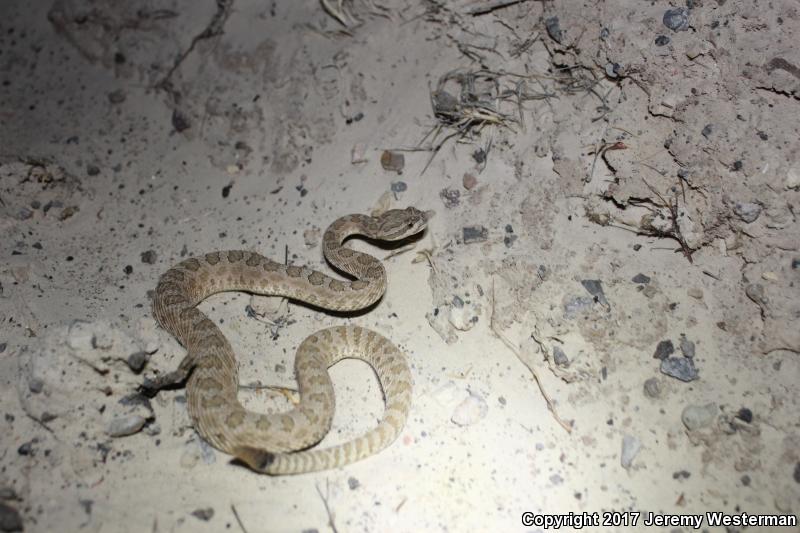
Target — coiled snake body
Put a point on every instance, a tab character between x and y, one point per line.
265	442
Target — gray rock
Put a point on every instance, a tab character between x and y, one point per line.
450	197
687	347
205	514
10	520
125	425
664	350
473	234
577	305
393	161
137	360
641	278
676	19
699	416
630	449
755	291
652	388
149	257
747	211
399	186
35	385
707	130
595	288
116	97
681	368
470	411
559	357
553	28
353	483
662	40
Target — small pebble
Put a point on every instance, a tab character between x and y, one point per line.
93	170
180	121
445	105
470	411
556	479
699	416
148	257
24	213
358	154
695	293
393	161
469	181
577	305
137	360
681	474
745	414
708	129
116	97
10	520
472	234
676	19
553	28
399	186
746	480
353	483
630	448
662	40
128	270
26	448
664	350
737	165
595	288
747	211
755	291
204	514
35	385
687	347
681	368
559	357
652	388
641	278
450	197
509	237
125	425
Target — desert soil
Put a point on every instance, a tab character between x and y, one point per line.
601	316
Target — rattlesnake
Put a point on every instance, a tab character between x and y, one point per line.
265	442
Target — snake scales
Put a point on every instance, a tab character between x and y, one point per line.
269	443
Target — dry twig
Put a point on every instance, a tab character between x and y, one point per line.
510	345
325	503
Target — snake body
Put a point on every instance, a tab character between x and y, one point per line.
270	443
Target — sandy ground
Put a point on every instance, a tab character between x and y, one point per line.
616	192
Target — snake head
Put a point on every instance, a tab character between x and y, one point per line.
397	224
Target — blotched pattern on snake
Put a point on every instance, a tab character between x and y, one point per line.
269	443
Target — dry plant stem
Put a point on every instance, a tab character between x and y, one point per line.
510	345
675	231
338	14
492	6
238	520
327	507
